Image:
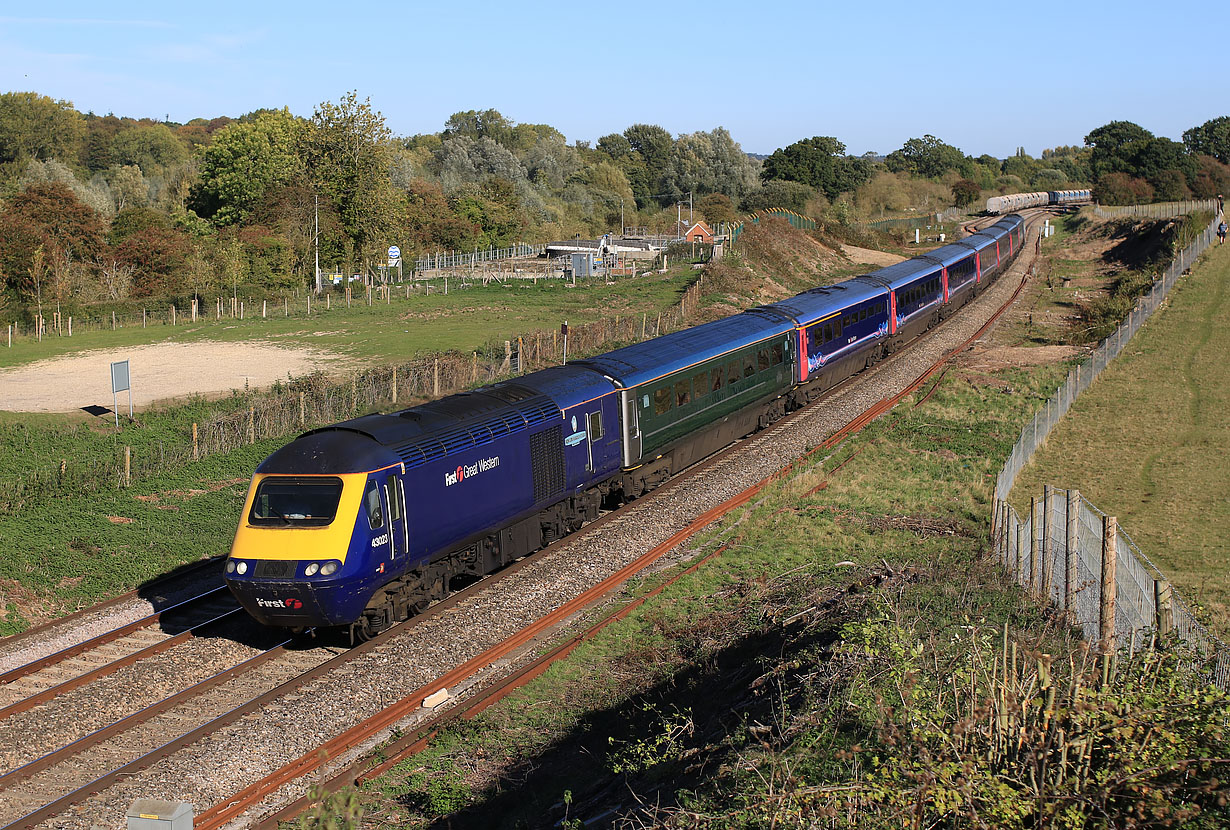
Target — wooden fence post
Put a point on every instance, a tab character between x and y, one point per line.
1106	606
1163	608
1048	497
394	384
475	372
302	409
1071	549
251	424
435	378
1035	544
1020	555
196	446
127	466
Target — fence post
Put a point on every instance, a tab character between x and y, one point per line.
1048	495
394	384
196	446
435	378
475	372
1106	606
1020	556
302	408
1035	546
1163	608
251	424
1071	548
127	466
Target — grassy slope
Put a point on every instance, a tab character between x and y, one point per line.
1146	443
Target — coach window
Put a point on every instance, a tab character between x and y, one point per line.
837	327
762	360
700	384
371	500
683	392
715	379
732	372
662	400
828	332
749	368
862	314
777	355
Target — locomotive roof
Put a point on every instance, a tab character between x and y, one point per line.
567	385
643	362
816	303
328	451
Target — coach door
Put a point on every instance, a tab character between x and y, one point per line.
628	399
395	509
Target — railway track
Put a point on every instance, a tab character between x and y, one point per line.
280	705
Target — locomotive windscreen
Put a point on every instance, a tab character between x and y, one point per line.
284	501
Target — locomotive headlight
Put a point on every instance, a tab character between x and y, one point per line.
241	567
311	569
328	568
230	566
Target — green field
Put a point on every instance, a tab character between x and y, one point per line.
1147	442
396	331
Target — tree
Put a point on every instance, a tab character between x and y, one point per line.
348	151
778	193
152	147
69	224
244	160
157	257
133	220
926	156
717	207
1212	178
965	192
711	162
820	162
653	147
33	126
1114	145
1212	138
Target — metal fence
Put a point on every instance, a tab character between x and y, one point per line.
1161	210
1067	571
457	259
1069	552
952	214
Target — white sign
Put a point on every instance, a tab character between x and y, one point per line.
119	377
394	253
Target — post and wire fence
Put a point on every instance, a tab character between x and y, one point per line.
1067	551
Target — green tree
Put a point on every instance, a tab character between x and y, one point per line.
820	162
133	220
155	148
709	162
244	160
965	192
926	156
653	146
33	126
1212	138
348	151
778	193
158	256
717	207
1114	145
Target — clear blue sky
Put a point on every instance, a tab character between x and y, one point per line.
986	77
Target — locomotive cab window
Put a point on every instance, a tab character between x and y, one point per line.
282	501
371	501
595	426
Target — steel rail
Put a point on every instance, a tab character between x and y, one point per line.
100	640
136	593
25	704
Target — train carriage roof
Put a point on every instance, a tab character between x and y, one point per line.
949	254
818	303
900	273
977	241
643	362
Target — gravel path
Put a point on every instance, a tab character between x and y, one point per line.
243	752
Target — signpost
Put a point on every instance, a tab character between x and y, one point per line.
394	256
119	383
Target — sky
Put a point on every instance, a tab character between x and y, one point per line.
985	77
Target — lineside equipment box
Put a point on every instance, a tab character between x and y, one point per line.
156	814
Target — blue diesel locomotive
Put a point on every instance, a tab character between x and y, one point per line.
367	521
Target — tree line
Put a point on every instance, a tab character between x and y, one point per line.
105	208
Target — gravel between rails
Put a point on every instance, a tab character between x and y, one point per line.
241	753
58	635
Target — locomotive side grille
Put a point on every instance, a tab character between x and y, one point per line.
547	462
274	568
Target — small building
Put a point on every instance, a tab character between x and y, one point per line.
700	232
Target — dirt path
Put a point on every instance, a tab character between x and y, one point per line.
870	257
158	371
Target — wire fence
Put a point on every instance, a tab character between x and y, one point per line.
1063	567
1067	551
1161	210
316	400
457	259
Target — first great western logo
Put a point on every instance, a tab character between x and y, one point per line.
467	471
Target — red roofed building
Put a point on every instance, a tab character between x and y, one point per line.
700	232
